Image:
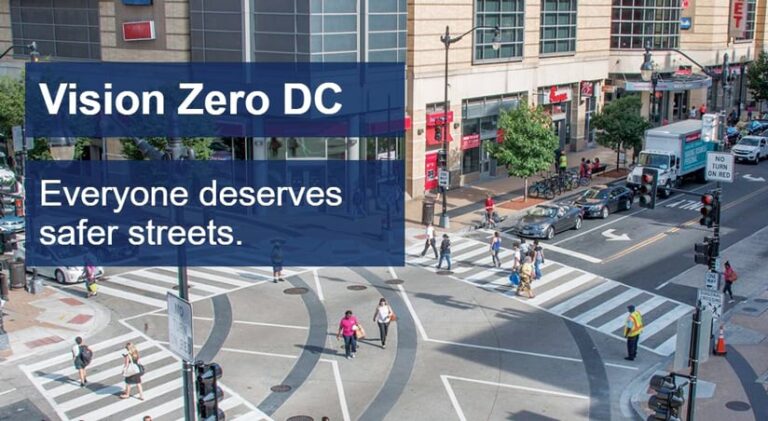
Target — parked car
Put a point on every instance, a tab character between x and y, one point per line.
544	221
751	148
11	223
600	201
62	274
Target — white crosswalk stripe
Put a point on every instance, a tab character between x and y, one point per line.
585	298
149	286
56	380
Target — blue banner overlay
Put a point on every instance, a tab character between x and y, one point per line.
215	213
214	99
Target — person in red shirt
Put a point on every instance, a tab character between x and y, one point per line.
489	205
702	110
347	327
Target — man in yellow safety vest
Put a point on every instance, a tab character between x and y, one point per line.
632	330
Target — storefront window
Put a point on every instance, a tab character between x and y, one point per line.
749	34
471	161
558	26
276	148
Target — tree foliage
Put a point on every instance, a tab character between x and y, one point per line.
201	146
529	142
11	103
620	125
81	145
41	151
757	77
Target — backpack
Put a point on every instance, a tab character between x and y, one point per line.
86	354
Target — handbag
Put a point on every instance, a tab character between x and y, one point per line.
392	315
131	369
359	332
514	279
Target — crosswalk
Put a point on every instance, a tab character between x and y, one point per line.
56	379
149	286
582	297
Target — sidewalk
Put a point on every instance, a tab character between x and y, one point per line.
466	204
35	324
734	387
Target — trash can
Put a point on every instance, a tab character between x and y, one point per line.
4	287
18	275
427	210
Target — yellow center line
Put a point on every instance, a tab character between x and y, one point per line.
693	221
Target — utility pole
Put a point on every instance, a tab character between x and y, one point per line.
176	151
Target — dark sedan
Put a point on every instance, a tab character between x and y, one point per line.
544	221
600	201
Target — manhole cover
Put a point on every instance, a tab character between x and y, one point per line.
738	406
394	281
296	291
281	388
749	309
357	287
761	300
300	418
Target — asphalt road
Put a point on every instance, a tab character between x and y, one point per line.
645	248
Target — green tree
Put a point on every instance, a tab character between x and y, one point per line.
529	142
201	146
757	77
41	151
11	103
620	126
81	145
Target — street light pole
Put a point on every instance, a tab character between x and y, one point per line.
447	40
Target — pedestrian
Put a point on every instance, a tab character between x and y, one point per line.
147	418
582	167
445	252
132	371
277	262
489	208
81	357
431	240
274	146
383	316
347	327
692	113
596	165
563	163
632	331
89	276
516	257
526	278
588	169
495	247
538	259
702	110
730	278
523	249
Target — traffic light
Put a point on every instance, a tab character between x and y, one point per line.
209	394
709	210
704	251
668	398
649	182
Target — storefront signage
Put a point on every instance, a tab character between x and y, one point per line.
436	119
139	31
470	141
738	25
685	23
555	96
587	89
500	136
685	4
430	171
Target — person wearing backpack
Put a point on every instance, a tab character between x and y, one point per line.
81	356
445	252
730	278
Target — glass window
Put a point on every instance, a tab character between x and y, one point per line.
508	15
61	29
633	24
337	148
305	147
470	161
558	27
750	32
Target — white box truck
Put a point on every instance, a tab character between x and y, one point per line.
676	151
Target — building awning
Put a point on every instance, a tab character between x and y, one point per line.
674	83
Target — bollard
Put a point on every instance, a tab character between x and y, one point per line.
36	283
4	286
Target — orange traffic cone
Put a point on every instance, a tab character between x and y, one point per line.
720	346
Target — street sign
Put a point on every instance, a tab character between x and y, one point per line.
18	138
712	280
443	178
719	167
180	327
683	345
711	300
717	264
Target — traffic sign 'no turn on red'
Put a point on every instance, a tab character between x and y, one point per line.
719	167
